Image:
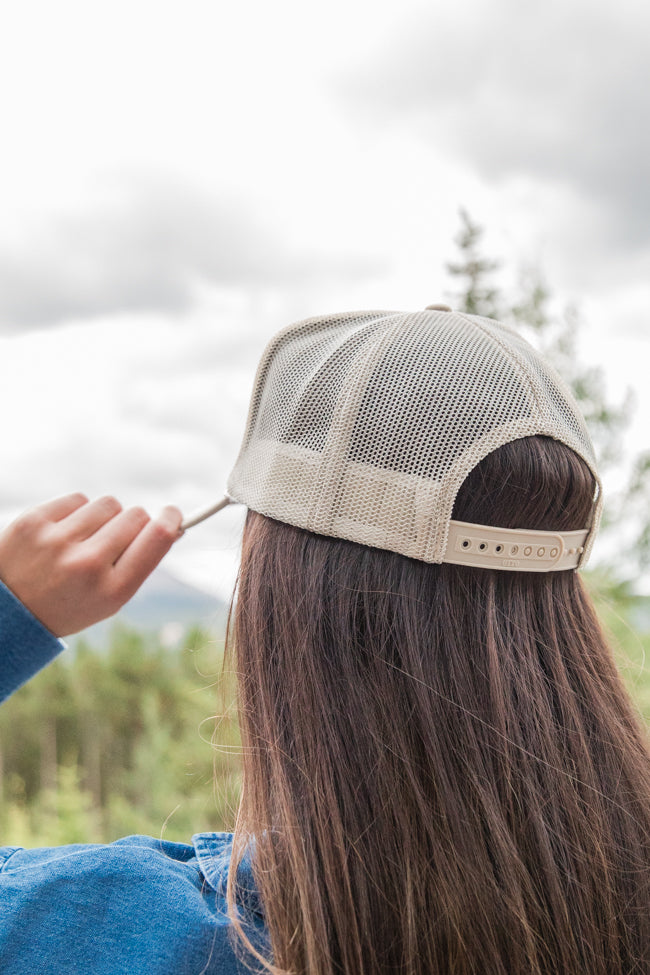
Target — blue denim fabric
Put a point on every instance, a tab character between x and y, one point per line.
25	645
136	906
139	905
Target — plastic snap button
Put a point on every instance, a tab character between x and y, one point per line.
528	550
554	552
541	551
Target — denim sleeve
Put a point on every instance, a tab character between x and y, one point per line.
139	906
25	644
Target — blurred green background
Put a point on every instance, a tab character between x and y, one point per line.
139	738
133	738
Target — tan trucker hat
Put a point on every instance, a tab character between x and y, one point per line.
364	425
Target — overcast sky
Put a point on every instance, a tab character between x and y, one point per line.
179	180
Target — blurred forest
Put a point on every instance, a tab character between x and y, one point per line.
138	738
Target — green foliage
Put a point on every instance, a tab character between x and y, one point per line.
478	296
618	607
146	740
634	502
101	745
556	334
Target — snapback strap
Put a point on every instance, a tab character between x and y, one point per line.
483	546
514	549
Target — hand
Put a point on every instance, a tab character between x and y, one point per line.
72	562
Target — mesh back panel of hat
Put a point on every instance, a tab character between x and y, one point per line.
363	426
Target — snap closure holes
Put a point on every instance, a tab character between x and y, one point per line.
554	552
499	548
482	546
465	543
514	549
541	551
528	550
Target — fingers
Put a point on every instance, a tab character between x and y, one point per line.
60	508
144	553
85	520
73	563
115	536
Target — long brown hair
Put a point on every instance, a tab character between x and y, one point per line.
442	770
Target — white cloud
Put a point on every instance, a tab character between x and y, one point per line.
183	180
146	252
552	93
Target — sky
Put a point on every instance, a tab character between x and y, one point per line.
180	180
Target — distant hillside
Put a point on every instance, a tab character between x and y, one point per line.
166	606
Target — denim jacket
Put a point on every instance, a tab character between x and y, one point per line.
139	905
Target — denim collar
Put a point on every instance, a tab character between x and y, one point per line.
213	852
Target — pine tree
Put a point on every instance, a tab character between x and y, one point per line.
556	336
477	296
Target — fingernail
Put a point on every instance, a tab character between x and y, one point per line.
171	518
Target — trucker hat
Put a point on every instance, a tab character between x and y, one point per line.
364	425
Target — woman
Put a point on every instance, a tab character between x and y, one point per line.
442	770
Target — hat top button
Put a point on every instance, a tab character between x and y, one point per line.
437	308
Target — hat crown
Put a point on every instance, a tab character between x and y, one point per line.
364	425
